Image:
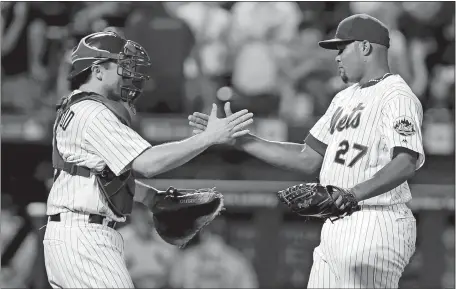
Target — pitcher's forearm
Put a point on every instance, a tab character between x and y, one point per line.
396	172
285	155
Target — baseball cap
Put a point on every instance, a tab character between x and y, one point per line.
358	27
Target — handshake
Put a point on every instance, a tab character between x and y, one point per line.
221	130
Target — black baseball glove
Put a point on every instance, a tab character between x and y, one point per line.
179	214
315	200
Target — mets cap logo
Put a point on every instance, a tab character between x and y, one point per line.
404	125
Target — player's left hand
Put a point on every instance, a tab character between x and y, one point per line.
343	198
200	120
316	200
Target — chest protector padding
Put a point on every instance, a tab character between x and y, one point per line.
118	190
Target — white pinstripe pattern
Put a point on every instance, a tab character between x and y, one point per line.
321	274
83	255
383	104
79	254
371	251
94	138
371	248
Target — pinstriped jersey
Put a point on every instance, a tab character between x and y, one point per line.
90	135
362	127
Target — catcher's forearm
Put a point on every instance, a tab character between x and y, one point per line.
286	155
161	158
400	169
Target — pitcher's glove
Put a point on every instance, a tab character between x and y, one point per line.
179	214
315	200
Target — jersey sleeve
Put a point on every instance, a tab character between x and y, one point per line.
318	137
402	117
117	144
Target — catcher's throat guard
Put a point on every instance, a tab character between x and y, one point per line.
179	214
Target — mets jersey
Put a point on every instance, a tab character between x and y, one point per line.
90	135
360	130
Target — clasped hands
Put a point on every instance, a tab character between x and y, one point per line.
221	130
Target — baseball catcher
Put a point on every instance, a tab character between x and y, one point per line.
96	157
179	214
316	200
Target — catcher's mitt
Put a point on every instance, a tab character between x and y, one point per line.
315	200
181	213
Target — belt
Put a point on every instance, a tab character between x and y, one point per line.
93	219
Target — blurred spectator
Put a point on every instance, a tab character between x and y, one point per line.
19	91
389	13
44	176
306	55
212	263
273	22
308	69
259	38
207	63
419	51
16	235
448	242
422	19
209	23
148	257
14	20
96	16
424	25
50	32
438	124
84	19
407	59
442	87
449	34
168	41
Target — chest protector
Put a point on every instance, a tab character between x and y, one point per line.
118	190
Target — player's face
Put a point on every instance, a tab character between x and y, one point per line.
349	62
112	80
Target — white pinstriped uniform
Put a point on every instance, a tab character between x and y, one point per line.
77	253
371	248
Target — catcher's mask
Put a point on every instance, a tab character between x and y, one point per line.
131	58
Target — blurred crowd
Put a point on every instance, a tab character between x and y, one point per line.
263	56
208	261
260	55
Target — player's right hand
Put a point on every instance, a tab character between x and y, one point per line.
199	120
222	130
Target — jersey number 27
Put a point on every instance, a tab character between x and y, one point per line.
343	149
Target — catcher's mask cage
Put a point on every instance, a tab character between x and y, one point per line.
131	58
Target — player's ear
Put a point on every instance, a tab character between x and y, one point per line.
97	71
365	47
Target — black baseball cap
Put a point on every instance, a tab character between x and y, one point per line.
359	27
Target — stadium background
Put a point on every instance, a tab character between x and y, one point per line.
260	56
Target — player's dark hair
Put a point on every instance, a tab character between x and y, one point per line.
80	79
84	77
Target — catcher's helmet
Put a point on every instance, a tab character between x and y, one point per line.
130	57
